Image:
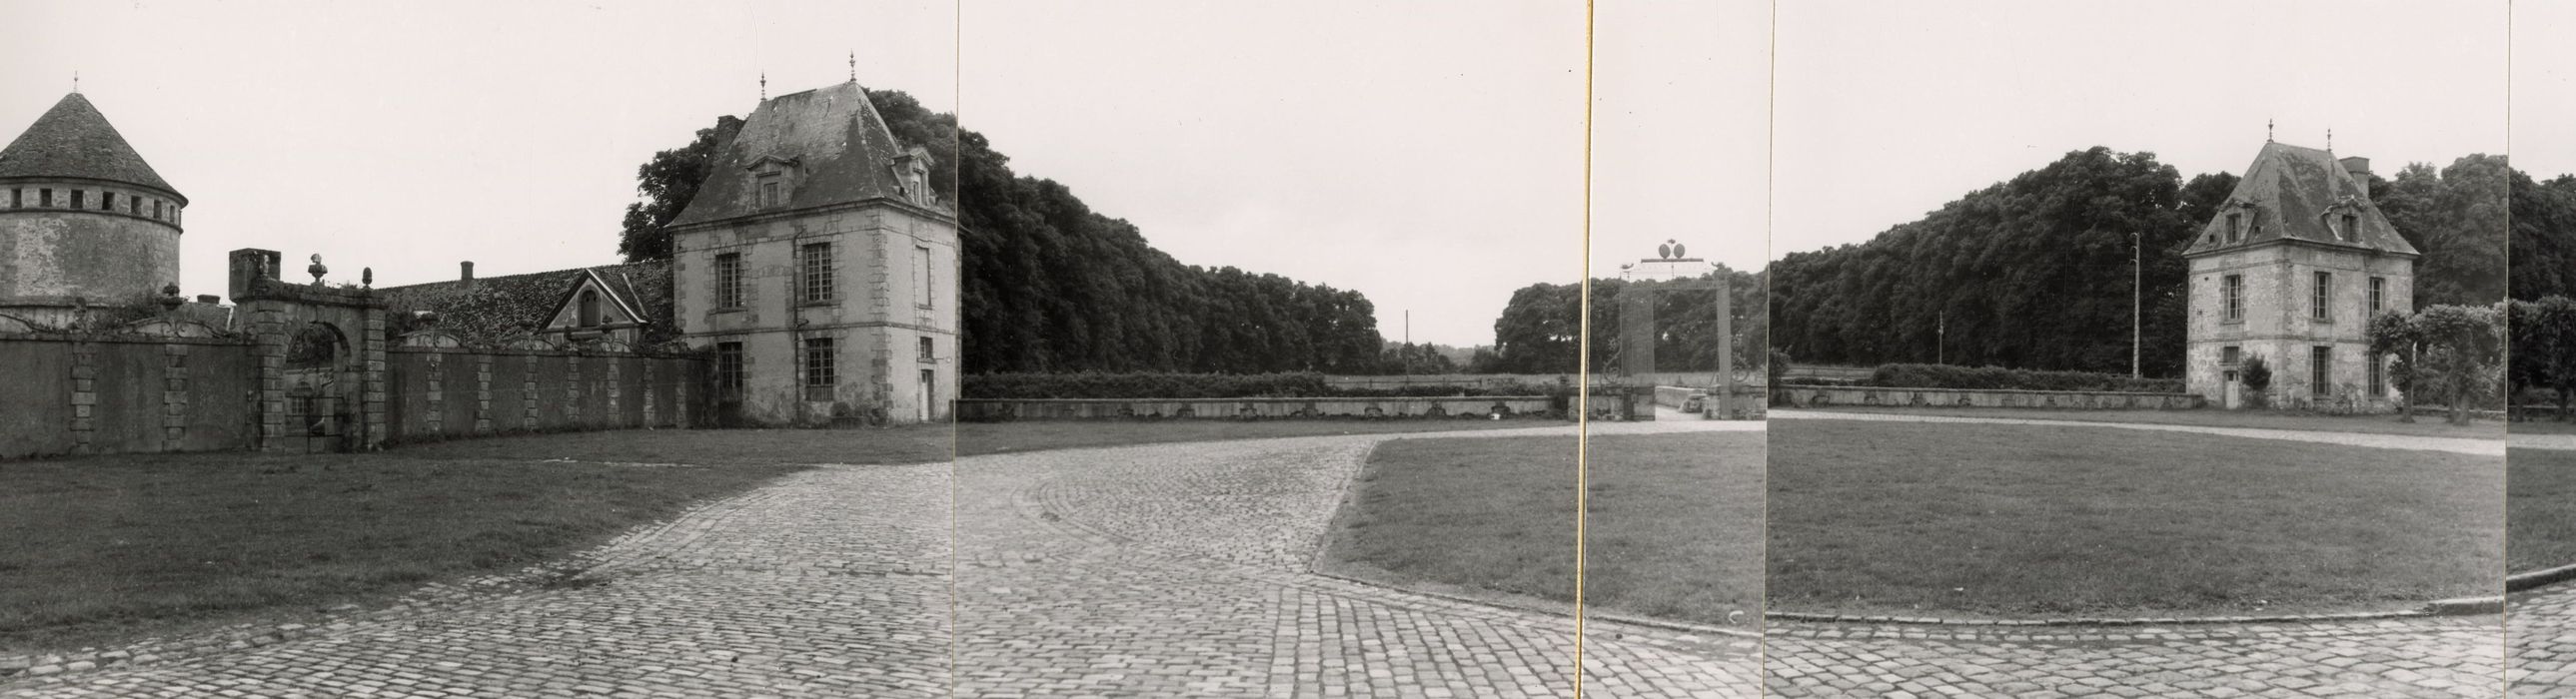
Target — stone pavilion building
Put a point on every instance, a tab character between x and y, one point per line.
2291	269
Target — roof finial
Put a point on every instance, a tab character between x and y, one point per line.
764	86
75	82
2267	131
2329	140
854	66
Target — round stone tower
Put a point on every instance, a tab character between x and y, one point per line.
83	220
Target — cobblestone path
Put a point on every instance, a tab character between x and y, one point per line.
1182	571
830	583
2541	640
2419	657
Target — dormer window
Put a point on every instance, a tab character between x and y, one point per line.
2351	227
772	191
2235	227
772	181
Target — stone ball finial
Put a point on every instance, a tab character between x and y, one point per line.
170	297
367	277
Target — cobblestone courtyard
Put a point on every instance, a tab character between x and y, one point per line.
1181	570
1169	570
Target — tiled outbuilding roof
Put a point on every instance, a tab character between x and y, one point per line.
492	309
73	140
2291	193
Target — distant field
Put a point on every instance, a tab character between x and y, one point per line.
2024	521
2425	425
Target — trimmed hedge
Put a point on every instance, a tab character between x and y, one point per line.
1140	386
1999	378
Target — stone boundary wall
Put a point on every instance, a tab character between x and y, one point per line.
449	392
111	394
1001	410
1804	396
1667	378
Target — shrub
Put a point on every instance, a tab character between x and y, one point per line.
1999	378
2256	376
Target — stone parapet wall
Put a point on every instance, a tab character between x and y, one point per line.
109	394
1803	396
449	392
993	410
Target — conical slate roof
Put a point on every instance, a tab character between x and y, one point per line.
2289	191
833	135
73	140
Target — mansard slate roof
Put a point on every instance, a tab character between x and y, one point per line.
73	140
492	309
2289	191
841	150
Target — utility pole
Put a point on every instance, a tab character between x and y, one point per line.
1941	337
2137	302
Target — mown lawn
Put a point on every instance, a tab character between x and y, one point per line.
1675	527
113	548
2541	513
2022	521
2425	424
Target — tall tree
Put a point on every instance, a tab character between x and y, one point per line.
667	183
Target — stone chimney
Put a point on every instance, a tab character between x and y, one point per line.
465	272
2359	168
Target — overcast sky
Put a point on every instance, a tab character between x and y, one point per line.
1887	110
1428	154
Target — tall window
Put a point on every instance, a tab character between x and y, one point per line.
45	197
2378	291
156	208
729	280
729	371
817	271
2320	358
819	375
107	201
2317	297
80	199
921	276
2351	227
2235	226
2378	379
925	349
2234	290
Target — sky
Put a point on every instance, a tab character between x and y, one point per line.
2544	88
1429	154
1886	111
407	137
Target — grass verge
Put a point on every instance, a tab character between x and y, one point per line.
2425	425
1675	528
2020	521
2540	525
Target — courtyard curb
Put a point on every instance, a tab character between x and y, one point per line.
2470	606
2547	576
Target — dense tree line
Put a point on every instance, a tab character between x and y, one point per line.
1539	330
2035	272
1049	285
2542	315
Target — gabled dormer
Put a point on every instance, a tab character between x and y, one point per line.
596	306
912	174
773	180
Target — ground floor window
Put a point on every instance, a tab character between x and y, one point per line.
2320	358
2378	379
729	371
819	375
